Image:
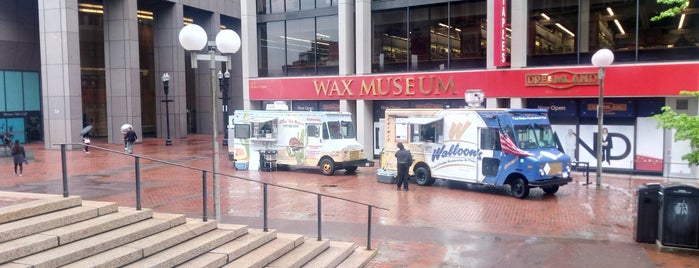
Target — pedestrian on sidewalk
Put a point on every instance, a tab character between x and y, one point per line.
404	160
86	141
130	138
18	156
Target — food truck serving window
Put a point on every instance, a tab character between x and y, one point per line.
263	126
417	120
242	131
422	129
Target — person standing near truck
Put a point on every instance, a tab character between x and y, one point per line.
404	159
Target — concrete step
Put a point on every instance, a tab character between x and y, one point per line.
359	258
36	224
191	248
301	254
219	256
40	230
147	246
36	204
267	253
52	238
333	256
71	252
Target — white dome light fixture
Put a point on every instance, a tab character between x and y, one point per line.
227	41
603	58
192	37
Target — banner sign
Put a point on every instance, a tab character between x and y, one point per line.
620	81
612	108
500	34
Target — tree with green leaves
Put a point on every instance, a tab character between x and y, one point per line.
675	8
686	127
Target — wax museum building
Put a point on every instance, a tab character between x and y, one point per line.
65	64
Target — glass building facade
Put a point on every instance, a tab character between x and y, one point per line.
297	38
567	32
452	35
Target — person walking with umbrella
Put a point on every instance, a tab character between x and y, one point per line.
130	138
124	129
86	138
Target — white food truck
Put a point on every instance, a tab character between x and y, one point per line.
513	147
299	138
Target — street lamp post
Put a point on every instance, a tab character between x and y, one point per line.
193	38
223	82
601	59
166	90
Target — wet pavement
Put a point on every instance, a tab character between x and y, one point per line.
444	225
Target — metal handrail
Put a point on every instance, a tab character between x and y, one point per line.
204	171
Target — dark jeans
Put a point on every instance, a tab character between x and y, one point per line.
402	177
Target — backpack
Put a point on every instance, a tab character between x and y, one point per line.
132	137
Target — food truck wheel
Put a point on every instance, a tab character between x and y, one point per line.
423	176
350	169
520	188
550	189
327	166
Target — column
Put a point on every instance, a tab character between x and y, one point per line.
363	36
491	102
122	67
170	58
516	103
519	23
60	72
365	130
365	120
249	49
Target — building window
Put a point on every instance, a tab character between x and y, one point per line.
324	3
670	38
430	38
304	47
553	27
271	49
327	46
468	33
389	41
300	47
567	33
292	5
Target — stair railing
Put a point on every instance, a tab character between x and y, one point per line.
204	172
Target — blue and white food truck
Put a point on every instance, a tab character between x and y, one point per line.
513	147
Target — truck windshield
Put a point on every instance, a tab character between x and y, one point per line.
340	130
535	136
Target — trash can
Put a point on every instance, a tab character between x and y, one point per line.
647	213
268	160
679	218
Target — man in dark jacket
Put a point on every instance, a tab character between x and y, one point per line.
404	160
130	138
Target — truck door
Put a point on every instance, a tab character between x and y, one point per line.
313	143
488	143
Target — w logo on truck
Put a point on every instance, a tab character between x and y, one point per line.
457	130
